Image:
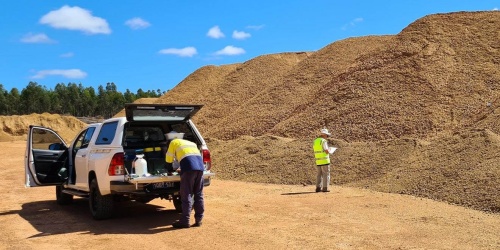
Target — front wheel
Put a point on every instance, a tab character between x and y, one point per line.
63	198
101	206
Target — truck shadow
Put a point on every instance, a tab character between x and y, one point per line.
49	218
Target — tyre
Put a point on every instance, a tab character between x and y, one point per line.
63	198
101	206
177	203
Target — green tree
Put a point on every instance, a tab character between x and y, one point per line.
141	94
3	101
103	103
73	99
35	99
89	100
14	102
129	96
59	98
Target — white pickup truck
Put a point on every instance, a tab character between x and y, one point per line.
99	162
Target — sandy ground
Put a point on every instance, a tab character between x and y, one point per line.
240	216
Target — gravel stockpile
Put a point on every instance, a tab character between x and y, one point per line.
414	113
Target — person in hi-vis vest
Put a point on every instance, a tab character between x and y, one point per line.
322	156
191	170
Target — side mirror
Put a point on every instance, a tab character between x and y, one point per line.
56	146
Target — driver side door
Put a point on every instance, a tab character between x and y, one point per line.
45	158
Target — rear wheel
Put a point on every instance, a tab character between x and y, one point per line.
101	206
63	198
177	203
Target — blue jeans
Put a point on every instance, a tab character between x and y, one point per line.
192	196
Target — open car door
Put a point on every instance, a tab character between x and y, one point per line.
45	158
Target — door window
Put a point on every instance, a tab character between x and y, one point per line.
44	139
83	139
88	136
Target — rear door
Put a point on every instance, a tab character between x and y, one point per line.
80	153
160	112
45	158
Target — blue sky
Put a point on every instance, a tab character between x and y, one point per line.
155	44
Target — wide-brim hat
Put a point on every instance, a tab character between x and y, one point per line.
174	135
325	132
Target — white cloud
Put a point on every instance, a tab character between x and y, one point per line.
184	52
352	23
137	23
496	8
67	55
240	35
230	51
76	18
215	32
255	27
68	73
36	38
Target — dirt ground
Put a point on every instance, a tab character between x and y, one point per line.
241	215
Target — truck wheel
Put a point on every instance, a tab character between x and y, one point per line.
101	206
63	198
177	203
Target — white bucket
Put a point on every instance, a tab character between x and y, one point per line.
141	166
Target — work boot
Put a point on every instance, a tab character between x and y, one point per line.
318	189
325	190
177	224
197	224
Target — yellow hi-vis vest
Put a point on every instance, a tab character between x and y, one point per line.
179	149
322	158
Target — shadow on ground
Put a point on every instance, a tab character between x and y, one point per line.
49	218
312	192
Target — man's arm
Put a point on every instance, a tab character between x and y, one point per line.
325	146
169	157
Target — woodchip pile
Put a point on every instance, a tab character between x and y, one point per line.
414	113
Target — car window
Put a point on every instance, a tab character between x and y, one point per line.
44	139
107	133
160	112
78	142
83	139
183	128
140	135
88	136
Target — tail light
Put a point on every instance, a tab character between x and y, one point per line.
207	161
117	166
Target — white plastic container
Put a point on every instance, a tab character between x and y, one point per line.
141	166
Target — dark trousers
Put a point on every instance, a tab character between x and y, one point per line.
192	196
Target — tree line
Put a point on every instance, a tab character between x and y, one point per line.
69	99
